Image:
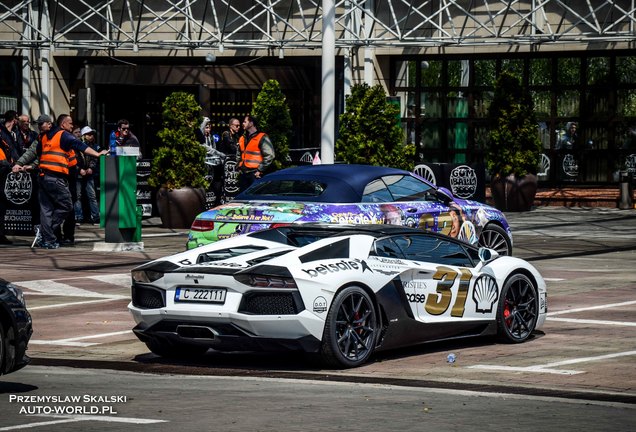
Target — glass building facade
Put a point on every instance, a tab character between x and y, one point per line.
445	101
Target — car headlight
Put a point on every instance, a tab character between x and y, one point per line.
17	292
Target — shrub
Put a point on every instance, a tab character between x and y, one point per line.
272	112
180	160
370	133
514	146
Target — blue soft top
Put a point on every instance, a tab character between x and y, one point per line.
345	183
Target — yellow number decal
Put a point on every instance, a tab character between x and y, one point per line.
462	292
438	304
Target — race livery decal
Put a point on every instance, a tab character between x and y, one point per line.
343	265
354	218
485	294
320	305
440	303
418	288
339	249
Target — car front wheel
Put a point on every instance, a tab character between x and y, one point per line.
495	237
517	310
351	329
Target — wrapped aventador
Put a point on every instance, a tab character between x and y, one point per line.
343	291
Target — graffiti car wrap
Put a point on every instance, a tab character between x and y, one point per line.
352	194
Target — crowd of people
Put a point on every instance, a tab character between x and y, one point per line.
251	150
64	159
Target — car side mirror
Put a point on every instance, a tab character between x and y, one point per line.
444	195
487	255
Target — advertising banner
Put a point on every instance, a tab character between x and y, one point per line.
145	193
20	191
465	181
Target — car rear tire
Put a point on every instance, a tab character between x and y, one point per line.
175	350
495	237
7	349
351	329
517	310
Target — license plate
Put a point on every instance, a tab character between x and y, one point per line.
203	295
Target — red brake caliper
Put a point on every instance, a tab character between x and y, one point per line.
356	317
506	312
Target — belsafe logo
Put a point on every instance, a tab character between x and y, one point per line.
343	265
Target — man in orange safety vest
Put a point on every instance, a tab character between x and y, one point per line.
256	153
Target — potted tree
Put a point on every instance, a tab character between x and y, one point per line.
370	131
274	118
514	148
178	164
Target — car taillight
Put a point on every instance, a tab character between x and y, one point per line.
272	282
202	225
265	276
145	276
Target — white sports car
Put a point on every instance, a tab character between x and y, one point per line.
342	291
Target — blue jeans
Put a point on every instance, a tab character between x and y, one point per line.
86	184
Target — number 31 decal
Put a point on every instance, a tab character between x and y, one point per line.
437	305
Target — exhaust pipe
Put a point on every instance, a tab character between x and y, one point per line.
196	332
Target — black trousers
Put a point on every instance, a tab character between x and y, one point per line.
55	205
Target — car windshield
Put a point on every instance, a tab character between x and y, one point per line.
307	188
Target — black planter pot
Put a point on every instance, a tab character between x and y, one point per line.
179	207
514	194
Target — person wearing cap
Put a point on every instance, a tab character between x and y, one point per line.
85	179
55	155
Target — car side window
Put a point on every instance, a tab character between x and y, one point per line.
434	249
309	188
376	192
408	188
387	248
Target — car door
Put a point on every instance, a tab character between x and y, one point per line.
437	288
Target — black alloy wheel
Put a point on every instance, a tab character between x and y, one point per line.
517	311
351	329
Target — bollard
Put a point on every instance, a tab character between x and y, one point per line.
625	190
